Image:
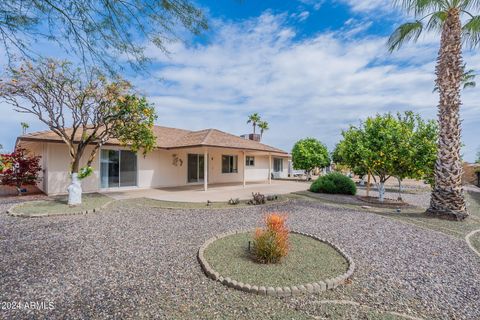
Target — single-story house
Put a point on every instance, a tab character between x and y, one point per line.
181	158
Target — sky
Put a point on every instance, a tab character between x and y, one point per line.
310	68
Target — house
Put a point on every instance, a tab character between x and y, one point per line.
181	158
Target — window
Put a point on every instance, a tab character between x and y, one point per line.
249	161
277	165
229	164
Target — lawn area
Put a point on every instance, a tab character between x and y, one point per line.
58	205
152	203
309	260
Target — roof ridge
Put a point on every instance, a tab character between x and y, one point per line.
231	134
29	134
207	135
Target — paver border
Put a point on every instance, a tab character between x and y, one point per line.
11	212
313	287
469	243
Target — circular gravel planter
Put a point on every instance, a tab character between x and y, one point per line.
313	265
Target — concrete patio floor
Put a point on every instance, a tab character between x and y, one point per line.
215	192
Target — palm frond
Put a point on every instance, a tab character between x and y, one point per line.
420	7
471	84
470	5
407	32
471	32
436	21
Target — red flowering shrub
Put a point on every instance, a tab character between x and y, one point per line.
18	169
271	243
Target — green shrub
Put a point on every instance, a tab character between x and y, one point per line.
334	183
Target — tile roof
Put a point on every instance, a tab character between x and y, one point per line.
173	138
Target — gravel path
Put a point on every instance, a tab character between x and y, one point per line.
141	263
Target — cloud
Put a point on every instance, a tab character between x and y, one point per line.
316	4
311	87
369	5
301	16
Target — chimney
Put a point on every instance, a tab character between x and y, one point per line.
251	136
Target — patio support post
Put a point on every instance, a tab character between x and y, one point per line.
244	167
205	169
269	168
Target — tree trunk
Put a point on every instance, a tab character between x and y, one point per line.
399	189
74	191
75	187
447	199
381	191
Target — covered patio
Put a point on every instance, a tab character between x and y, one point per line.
221	192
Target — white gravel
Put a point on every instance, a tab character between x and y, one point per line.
141	263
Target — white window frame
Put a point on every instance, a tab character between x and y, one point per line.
250	161
235	164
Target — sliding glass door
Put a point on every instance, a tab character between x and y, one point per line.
277	164
196	165
118	168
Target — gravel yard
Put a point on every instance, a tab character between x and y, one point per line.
129	262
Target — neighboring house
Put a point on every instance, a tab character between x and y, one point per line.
182	157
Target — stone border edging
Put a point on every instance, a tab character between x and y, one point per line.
40	215
470	245
314	287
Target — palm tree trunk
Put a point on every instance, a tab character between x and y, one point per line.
447	199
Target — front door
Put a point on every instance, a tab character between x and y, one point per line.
196	166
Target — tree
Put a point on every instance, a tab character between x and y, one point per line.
417	149
263	125
18	169
457	21
371	146
468	79
387	146
24	126
254	119
82	109
98	32
308	154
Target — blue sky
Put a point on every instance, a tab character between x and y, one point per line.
309	67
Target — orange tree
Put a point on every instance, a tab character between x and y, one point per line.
387	146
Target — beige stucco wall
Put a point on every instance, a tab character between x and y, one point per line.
39	149
58	162
156	169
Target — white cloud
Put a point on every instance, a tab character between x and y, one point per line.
316	4
313	87
301	16
368	5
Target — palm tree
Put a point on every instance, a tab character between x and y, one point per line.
445	16
24	126
254	119
468	79
263	125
